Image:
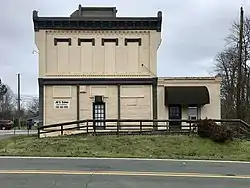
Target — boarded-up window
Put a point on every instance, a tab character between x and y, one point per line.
98	90
110	57
86	57
51	56
133	46
129	101
63	57
83	89
133	91
62	92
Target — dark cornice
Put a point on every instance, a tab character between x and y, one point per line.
97	81
97	23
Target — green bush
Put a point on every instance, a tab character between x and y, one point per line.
209	129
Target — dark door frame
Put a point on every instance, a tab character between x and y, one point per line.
176	125
99	125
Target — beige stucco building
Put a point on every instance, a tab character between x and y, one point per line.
95	65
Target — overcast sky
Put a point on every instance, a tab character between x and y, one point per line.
193	32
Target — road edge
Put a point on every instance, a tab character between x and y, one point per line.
130	159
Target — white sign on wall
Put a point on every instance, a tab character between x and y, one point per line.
61	104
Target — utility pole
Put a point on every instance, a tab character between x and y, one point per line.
18	100
239	80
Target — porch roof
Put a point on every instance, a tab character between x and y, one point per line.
186	95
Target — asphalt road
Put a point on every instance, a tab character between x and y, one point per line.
114	173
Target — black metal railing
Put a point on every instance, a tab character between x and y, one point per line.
137	126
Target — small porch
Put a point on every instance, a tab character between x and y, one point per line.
185	102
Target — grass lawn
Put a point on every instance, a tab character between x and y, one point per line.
182	147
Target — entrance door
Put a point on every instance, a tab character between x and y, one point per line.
99	114
175	114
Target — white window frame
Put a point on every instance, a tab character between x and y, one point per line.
193	116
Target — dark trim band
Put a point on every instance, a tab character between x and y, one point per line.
127	40
155	97
41	104
110	40
80	40
56	40
97	23
155	101
96	81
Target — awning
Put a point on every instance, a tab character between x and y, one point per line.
186	95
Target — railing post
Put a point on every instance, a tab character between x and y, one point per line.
94	127
38	132
87	124
117	127
61	129
141	126
118	124
155	124
190	128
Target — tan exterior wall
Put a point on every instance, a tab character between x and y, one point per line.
212	110
59	93
136	102
93	61
87	94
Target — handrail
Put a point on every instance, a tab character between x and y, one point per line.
144	120
113	120
232	121
245	123
60	126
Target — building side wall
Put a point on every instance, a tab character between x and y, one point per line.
87	94
212	110
135	102
59	93
88	60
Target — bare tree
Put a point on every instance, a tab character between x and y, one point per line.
3	90
227	66
7	104
33	107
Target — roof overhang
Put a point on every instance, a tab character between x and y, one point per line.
97	23
186	95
